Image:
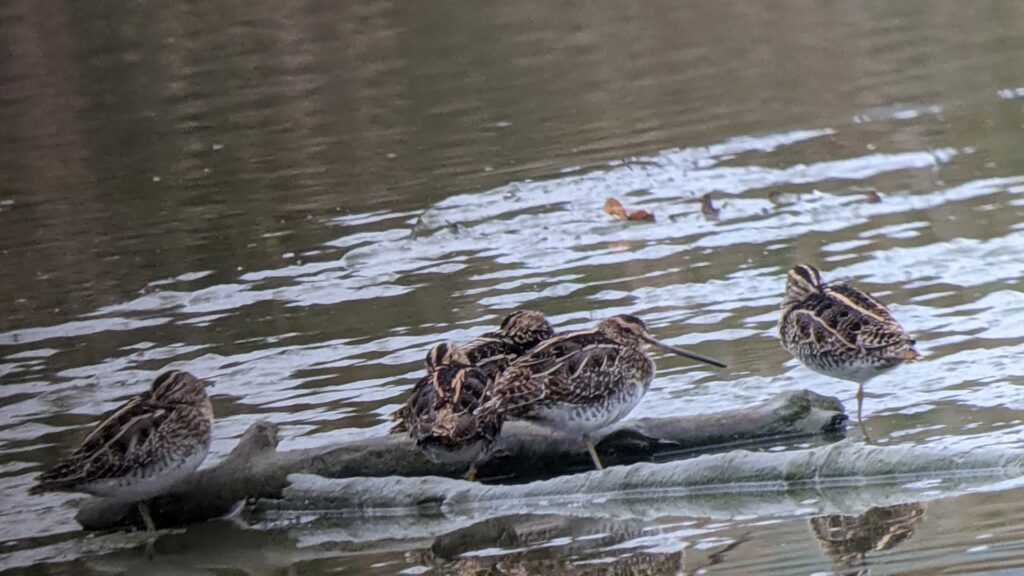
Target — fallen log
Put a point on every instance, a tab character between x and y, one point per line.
738	472
255	469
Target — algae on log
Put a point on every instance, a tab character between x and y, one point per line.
255	469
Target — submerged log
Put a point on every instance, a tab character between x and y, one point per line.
255	469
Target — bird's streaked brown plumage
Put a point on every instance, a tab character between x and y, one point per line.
144	447
581	381
840	331
160	427
520	331
440	414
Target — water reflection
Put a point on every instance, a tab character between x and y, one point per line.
546	544
549	544
849	539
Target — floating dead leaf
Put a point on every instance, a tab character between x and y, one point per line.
615	209
708	208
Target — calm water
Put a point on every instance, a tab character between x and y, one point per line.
296	199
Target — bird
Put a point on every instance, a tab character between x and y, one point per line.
520	331
582	381
143	448
440	414
840	331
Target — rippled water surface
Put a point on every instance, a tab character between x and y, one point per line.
297	199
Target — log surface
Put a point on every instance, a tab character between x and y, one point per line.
842	463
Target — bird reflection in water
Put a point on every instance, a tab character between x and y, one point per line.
526	546
849	539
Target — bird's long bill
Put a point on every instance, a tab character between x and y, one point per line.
207	383
684	353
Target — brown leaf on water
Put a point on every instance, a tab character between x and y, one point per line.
641	216
708	208
615	209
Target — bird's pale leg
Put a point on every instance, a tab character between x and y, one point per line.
471	473
860	403
150	529
146	518
593	452
860	421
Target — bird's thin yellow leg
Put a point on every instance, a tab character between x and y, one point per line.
471	473
593	452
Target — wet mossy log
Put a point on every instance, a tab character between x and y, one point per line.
255	469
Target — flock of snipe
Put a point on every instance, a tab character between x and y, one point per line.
573	382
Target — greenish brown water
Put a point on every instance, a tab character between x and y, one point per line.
297	199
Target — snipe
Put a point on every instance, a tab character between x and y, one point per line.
520	331
840	331
580	382
142	449
440	414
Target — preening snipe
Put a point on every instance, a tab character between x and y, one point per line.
441	413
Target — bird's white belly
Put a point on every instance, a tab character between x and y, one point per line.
584	419
856	370
149	483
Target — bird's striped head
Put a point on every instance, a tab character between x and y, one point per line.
526	328
629	330
179	387
624	328
802	280
444	354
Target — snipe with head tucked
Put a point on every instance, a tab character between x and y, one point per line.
840	331
582	381
142	449
520	331
440	414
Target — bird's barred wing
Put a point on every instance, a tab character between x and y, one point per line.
578	376
813	329
869	321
